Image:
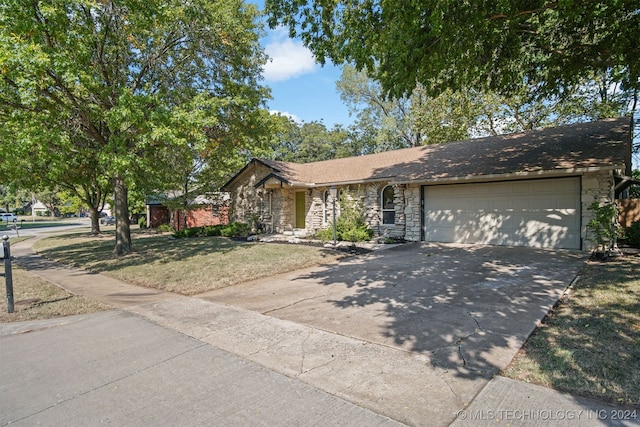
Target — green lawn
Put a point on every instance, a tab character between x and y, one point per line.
187	266
590	345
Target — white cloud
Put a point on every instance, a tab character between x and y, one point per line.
286	114
288	58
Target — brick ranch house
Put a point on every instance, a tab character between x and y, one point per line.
203	210
527	189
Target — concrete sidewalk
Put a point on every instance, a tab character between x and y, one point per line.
117	368
166	359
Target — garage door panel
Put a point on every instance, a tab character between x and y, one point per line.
540	213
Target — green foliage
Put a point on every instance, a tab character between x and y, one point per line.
236	229
632	234
142	222
634	190
92	91
385	123
193	231
357	233
163	228
382	124
190	232
603	226
350	225
484	45
213	230
303	143
326	234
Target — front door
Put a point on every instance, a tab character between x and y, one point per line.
300	209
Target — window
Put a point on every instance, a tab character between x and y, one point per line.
388	206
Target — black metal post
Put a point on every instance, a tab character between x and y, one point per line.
8	276
334	223
334	194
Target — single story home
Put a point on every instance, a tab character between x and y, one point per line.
527	189
203	210
39	209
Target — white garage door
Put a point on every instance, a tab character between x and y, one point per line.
543	213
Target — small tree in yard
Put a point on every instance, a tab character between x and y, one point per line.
350	225
603	227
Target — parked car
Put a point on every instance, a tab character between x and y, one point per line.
8	217
108	220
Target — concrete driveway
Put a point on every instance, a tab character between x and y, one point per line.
467	308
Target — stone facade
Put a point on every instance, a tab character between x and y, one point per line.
272	208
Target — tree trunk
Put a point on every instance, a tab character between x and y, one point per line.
95	220
121	211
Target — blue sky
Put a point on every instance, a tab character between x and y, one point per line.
301	88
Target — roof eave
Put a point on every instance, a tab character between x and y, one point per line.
241	171
509	176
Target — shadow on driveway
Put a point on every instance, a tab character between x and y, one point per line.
468	308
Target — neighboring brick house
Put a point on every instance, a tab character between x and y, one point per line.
212	209
527	189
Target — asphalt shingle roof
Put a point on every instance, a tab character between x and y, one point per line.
601	144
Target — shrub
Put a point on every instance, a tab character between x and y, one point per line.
213	230
350	225
180	234
193	232
632	233
603	225
142	222
326	234
357	234
236	229
163	228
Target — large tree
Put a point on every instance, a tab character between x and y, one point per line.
388	123
128	78
304	142
494	44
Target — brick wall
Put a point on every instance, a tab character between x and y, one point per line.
157	215
206	215
201	217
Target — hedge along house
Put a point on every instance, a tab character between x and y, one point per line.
528	189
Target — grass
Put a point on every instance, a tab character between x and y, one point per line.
590	344
36	299
185	266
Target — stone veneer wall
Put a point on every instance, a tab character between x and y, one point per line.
368	198
249	203
276	207
413	213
